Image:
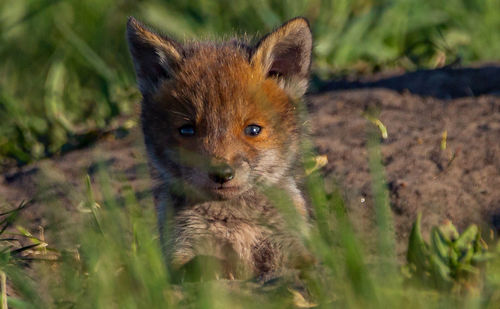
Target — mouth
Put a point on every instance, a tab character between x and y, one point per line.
225	191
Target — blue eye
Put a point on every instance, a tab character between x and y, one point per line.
253	130
186	130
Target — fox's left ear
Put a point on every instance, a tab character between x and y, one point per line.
285	54
156	57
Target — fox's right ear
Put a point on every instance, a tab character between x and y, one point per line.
285	54
156	57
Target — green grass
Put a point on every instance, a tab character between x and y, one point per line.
66	76
110	257
113	260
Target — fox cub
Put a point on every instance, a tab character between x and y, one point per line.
221	128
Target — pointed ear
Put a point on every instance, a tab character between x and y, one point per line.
155	57
285	54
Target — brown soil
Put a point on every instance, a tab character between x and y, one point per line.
460	182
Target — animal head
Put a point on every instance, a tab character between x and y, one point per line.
221	116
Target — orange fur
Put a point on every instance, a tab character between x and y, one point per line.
212	182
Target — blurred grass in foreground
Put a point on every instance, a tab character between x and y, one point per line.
66	76
111	259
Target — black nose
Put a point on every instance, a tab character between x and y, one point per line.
221	173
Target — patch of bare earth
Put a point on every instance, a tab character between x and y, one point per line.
460	183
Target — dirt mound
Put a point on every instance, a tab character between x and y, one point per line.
460	182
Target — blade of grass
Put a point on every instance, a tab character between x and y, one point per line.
386	234
93	59
3	279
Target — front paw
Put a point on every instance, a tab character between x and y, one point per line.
199	268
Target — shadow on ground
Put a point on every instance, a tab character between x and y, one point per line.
444	83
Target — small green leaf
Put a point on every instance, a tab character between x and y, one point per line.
440	272
452	257
449	231
466	255
467	238
479	244
468	269
440	245
482	257
418	251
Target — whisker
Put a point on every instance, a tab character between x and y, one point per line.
177	113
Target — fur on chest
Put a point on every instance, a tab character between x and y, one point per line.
224	229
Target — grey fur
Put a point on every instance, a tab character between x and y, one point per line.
247	231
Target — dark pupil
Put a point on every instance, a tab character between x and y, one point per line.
252	130
186	130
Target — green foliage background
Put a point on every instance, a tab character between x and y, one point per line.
66	76
65	73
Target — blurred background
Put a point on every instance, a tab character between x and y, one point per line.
67	81
66	76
